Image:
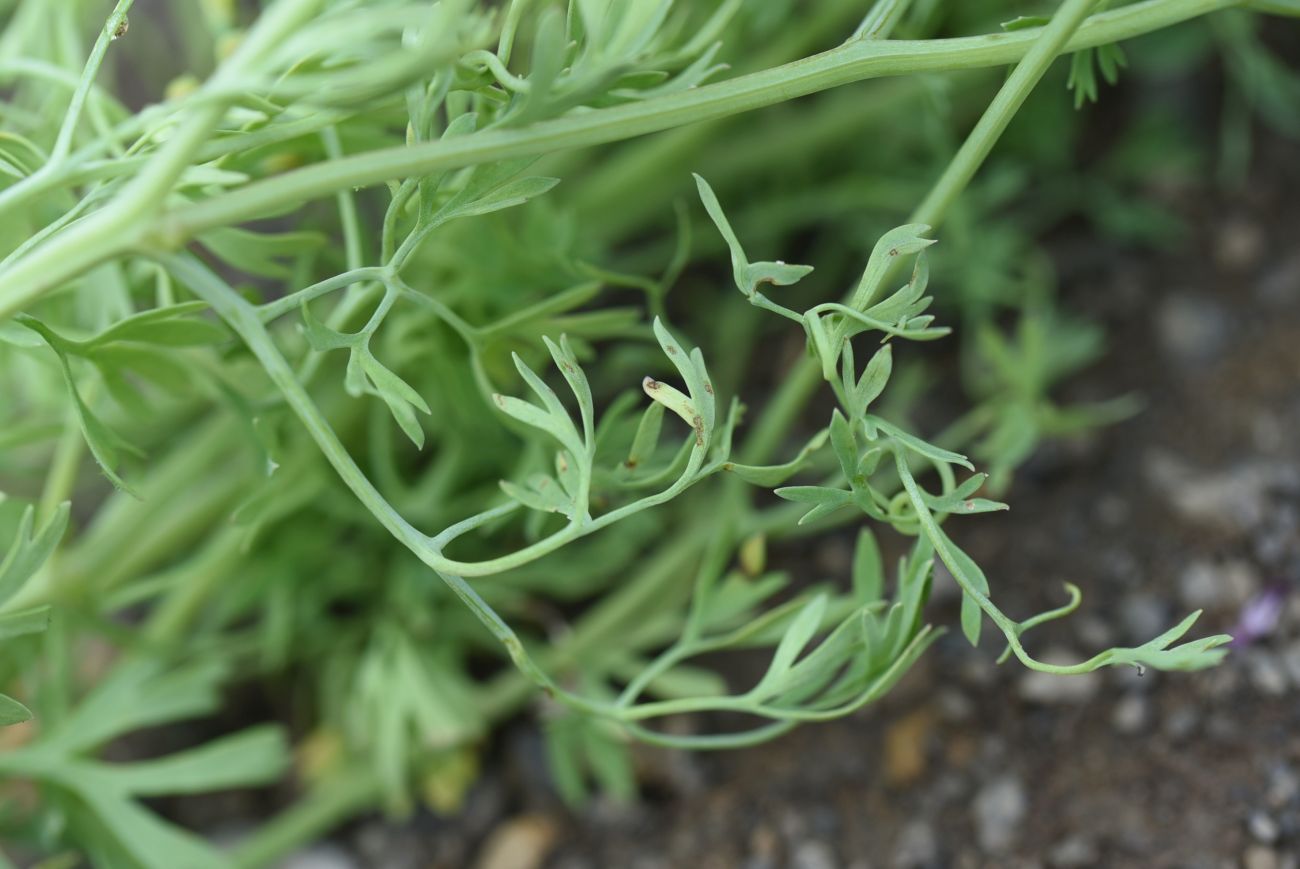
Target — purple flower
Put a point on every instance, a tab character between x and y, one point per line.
1260	615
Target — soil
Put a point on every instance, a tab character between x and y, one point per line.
1194	503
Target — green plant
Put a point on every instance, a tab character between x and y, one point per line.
171	302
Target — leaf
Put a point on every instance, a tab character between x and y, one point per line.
29	551
505	196
1025	22
692	369
542	493
567	363
746	275
824	500
169	326
321	338
899	241
12	712
105	444
919	446
554	418
676	401
23	622
844	444
255	756
873	379
972	616
260	253
647	435
396	393
138	694
795	639
959	500
868	570
773	475
150	842
1194	655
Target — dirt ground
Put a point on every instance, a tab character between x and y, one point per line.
1194	503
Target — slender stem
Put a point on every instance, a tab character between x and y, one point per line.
63	469
1008	101
121	226
244	320
118	226
321	809
881	20
63	144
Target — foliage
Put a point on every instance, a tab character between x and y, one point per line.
388	384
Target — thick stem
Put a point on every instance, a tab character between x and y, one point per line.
851	62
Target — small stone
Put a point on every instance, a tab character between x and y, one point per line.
1132	714
906	742
1263	828
522	842
1145	616
812	855
1281	286
1181	722
1239	244
1234	500
956	708
1093	632
1260	857
1267	674
1000	807
763	846
1113	510
1191	330
1076	852
1206	585
917	846
323	856
1049	689
1283	785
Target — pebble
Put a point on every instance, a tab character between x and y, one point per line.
1191	330
522	842
1181	722
906	743
1000	807
1233	500
1144	616
1282	284
956	708
1076	852
1290	658
1267	675
1049	689
917	846
1132	714
1206	585
1239	244
763	846
1260	857
1283	785
1093	632
323	856
1262	827
813	855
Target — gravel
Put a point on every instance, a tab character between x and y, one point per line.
1000	807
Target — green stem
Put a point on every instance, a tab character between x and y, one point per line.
320	810
118	227
63	144
1045	48
851	62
